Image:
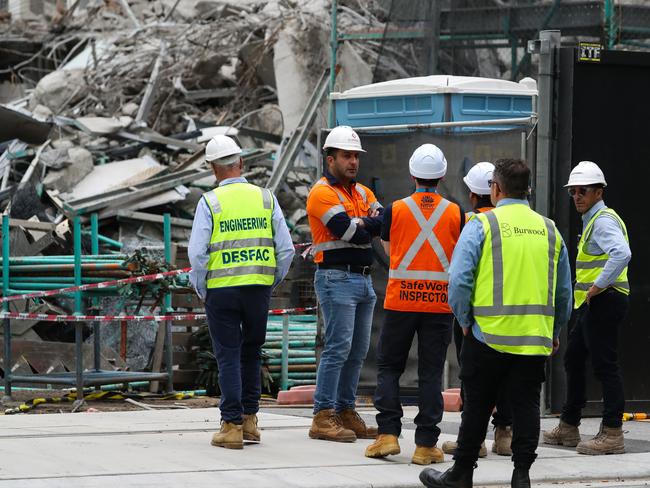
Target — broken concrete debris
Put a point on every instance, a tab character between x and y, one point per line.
109	107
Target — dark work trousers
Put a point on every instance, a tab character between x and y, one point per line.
237	320
484	372
396	337
502	416
595	334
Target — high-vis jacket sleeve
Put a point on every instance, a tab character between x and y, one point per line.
284	250
198	248
326	206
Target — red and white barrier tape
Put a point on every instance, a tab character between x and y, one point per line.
132	318
94	286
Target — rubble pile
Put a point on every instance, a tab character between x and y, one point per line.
107	106
131	91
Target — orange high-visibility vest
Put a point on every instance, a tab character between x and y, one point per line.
325	201
423	233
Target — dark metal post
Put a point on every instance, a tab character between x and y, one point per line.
334	45
284	383
78	332
169	348
433	31
5	306
94	234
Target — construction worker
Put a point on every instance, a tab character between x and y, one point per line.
239	249
601	302
419	233
510	289
344	216
477	180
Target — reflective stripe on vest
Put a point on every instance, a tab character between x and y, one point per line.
524	327
241	246
341	243
589	267
423	233
426	234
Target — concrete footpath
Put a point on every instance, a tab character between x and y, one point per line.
171	448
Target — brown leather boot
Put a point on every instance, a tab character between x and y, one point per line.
502	441
351	420
327	425
385	445
609	440
563	435
449	447
427	455
230	436
251	433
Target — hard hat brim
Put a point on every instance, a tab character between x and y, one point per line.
224	161
344	147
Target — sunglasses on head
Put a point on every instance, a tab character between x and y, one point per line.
580	190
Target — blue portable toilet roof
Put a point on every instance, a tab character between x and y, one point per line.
440	84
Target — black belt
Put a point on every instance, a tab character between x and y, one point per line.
351	268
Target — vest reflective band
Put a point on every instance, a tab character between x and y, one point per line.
241	246
470	215
589	267
514	294
342	243
420	250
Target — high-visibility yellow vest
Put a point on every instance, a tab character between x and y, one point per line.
589	267
514	294
241	246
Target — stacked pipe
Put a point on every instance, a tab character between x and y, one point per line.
36	273
301	349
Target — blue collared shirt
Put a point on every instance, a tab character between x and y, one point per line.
202	232
607	238
464	262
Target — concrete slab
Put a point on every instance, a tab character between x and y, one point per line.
165	448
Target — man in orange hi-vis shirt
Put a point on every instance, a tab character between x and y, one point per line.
344	216
419	234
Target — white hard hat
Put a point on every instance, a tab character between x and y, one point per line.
586	173
222	150
428	163
478	176
343	137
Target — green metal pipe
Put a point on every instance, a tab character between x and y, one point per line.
67	267
105	239
300	353
278	344
53	279
46	286
65	259
295	375
311	360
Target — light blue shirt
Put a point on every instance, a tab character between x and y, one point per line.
202	232
607	238
464	262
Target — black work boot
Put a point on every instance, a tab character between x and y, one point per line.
520	478
457	476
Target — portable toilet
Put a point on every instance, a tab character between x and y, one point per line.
438	98
394	118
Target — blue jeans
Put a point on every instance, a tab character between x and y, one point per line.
237	321
347	301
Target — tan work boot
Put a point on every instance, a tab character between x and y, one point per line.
449	447
563	435
427	455
384	445
609	440
230	436
502	441
327	425
351	420
251	433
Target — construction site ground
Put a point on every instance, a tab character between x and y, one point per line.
165	448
